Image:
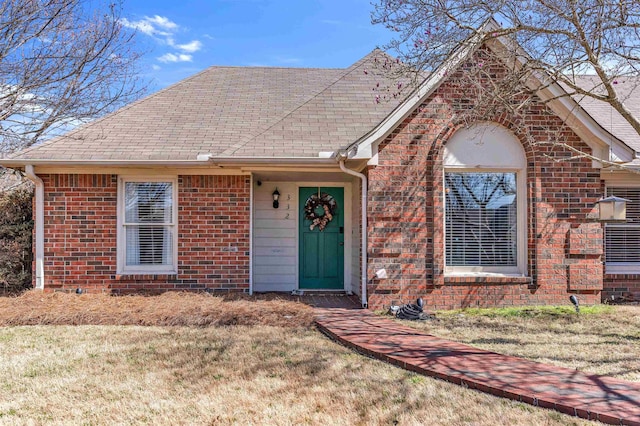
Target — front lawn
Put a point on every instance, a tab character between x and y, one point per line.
201	359
103	375
601	340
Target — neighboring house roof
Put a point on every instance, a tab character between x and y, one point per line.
607	117
234	112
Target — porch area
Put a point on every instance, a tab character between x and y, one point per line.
306	233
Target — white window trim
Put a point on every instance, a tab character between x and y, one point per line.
622	268
121	268
521	243
614	268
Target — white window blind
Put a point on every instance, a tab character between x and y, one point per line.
480	219
149	223
622	240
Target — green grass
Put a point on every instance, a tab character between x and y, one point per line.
529	311
602	339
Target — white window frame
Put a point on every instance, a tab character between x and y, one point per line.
521	224
488	147
612	268
121	267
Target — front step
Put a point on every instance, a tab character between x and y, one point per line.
319	292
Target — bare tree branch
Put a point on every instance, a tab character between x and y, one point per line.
563	40
62	63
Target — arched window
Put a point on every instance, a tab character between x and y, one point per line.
485	202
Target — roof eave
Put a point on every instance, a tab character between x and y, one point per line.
211	161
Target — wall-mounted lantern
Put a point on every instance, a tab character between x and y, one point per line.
612	209
276	197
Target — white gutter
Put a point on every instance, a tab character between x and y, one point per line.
251	237
363	231
203	160
39	225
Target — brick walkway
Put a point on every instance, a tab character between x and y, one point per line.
569	391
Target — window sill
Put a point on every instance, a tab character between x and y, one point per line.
621	270
486	278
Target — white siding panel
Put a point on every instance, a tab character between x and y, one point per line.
273	223
272	233
274	242
273	214
274	260
275	269
275	251
280	279
275	237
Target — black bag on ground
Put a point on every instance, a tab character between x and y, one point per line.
410	311
413	311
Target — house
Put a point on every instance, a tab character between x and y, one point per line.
263	179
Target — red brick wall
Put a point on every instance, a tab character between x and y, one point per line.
81	235
621	286
406	214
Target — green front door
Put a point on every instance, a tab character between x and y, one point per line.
321	250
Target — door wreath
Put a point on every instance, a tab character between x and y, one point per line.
321	218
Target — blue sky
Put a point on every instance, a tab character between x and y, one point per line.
186	36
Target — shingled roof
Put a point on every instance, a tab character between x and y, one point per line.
629	92
234	112
263	113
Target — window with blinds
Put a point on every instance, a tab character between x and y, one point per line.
480	219
622	240
149	224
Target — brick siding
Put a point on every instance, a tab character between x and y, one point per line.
406	213
618	286
81	235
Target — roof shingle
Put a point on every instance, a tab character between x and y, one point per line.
262	113
233	112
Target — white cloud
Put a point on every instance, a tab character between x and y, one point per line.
165	32
152	26
163	22
156	67
143	27
171	57
192	46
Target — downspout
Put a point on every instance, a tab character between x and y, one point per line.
39	225
251	237
363	232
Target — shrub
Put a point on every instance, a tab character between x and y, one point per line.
16	228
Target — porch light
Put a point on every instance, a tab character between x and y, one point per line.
276	197
612	209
